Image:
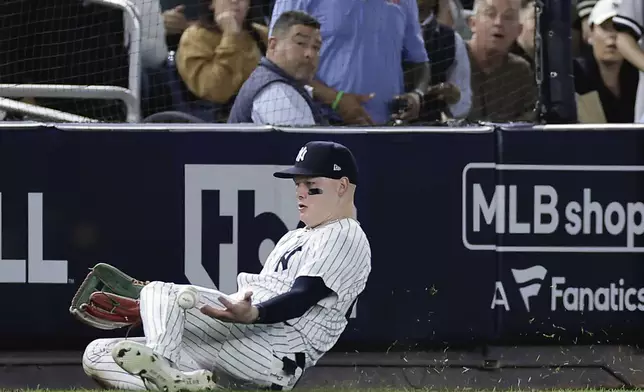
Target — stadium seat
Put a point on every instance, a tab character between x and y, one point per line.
173	117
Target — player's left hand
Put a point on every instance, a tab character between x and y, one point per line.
242	312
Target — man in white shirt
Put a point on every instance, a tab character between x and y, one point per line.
277	92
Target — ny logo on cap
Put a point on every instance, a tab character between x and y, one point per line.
300	155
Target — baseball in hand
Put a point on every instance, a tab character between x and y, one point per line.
188	298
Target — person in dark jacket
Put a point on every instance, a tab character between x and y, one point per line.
449	94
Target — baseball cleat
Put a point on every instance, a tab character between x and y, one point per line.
139	360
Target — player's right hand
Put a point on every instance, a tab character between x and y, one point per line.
351	109
242	312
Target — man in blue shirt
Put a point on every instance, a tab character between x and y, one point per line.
364	44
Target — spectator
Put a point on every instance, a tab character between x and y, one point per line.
524	45
450	93
630	26
154	50
604	82
503	85
219	53
364	44
277	92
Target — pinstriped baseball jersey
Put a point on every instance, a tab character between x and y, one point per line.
340	254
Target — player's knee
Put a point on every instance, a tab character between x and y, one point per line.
92	355
151	289
151	286
243	365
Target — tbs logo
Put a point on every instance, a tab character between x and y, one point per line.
233	214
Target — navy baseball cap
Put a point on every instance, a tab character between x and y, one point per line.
323	159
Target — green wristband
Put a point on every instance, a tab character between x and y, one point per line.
337	100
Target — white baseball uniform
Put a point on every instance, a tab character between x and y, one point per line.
338	252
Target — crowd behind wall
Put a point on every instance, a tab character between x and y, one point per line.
481	52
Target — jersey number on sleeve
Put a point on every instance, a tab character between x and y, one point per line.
286	257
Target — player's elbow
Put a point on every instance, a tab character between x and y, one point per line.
311	287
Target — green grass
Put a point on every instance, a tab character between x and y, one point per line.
364	390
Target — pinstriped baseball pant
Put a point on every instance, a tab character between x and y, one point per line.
248	354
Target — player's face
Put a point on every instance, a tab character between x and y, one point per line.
317	199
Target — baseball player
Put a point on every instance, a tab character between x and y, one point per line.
279	323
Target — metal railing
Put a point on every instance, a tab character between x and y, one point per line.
131	96
41	112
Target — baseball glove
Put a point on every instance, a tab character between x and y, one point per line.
107	299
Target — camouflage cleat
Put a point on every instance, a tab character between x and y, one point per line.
139	360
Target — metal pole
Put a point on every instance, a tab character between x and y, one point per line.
66	91
555	77
41	112
134	51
